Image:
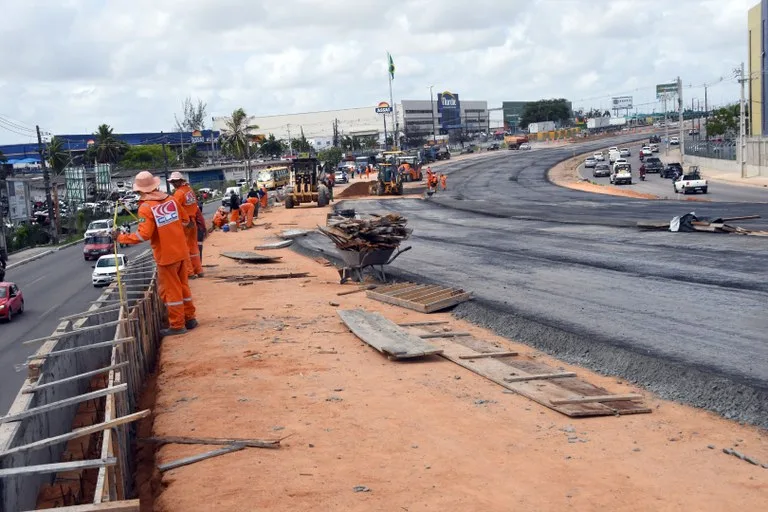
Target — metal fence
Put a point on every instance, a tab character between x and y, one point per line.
720	150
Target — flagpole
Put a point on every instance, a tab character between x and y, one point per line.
394	107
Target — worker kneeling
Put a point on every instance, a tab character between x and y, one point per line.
164	223
247	210
220	218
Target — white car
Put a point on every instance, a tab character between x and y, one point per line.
590	162
613	155
625	152
674	141
524	146
612	148
621	174
646	151
599	157
105	270
654	148
99	227
621	161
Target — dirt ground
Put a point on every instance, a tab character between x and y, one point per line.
421	435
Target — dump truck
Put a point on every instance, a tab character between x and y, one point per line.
514	141
305	186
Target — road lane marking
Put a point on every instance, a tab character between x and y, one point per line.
38	279
47	312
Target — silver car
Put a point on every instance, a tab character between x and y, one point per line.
590	162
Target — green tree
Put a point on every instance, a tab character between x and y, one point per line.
145	157
191	157
107	148
301	145
724	121
193	115
272	146
331	157
557	110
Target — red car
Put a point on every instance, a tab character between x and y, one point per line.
97	246
11	301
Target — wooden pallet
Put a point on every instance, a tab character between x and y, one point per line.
558	390
420	297
386	336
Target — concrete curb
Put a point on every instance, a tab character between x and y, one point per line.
42	254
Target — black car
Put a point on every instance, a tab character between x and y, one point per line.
672	170
653	164
655	139
494	146
601	169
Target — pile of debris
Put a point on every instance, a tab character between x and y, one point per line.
362	235
690	223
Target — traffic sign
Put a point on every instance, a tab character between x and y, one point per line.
665	89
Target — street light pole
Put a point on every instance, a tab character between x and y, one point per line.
432	111
47	183
742	125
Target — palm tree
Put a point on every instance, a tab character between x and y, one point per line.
58	160
235	137
107	148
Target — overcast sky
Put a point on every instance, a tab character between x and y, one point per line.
73	64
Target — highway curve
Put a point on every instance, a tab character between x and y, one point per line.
682	314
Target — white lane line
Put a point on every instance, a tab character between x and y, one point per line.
36	280
47	312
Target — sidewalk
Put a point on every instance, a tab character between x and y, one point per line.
25	254
731	177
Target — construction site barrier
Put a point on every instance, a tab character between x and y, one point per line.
68	437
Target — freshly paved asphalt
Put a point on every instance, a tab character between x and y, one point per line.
54	286
682	314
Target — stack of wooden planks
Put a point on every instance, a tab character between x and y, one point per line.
362	235
690	223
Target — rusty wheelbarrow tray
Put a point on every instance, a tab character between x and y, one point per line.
357	261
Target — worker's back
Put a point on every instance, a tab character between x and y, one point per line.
163	219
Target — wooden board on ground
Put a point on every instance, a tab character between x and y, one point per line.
420	297
385	336
274	245
290	234
554	388
251	257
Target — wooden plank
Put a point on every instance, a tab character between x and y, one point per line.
488	354
385	336
63	403
361	289
443	335
541	376
67	351
33	389
251	443
57	467
111	506
451	301
274	245
420	324
381	297
106	309
73	332
202	456
597	398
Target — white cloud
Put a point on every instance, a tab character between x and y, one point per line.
72	65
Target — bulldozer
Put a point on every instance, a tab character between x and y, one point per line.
305	183
389	182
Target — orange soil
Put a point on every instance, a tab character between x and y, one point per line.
415	433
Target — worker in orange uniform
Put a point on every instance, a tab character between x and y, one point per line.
246	210
264	197
443	181
185	196
220	217
164	223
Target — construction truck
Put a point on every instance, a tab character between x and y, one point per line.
411	167
514	141
388	183
305	184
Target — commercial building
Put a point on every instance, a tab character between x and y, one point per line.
446	115
756	20
513	111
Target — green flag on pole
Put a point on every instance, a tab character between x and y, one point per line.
391	67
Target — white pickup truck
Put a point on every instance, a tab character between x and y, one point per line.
691	182
620	174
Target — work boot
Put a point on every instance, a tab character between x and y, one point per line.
172	332
192	276
190	324
201	275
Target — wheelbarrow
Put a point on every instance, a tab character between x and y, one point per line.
357	261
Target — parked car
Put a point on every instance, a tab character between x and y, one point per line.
99	227
228	193
105	270
11	301
494	147
674	141
525	146
590	162
97	246
672	170
340	177
601	170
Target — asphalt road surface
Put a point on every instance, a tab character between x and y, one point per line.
662	187
682	314
54	286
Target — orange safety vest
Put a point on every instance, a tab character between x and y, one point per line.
162	222
185	196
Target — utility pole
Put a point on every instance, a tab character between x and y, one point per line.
742	125
47	183
680	117
666	125
706	115
432	111
165	158
290	141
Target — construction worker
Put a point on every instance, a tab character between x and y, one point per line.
264	197
234	209
163	222
443	181
220	217
185	196
246	210
202	230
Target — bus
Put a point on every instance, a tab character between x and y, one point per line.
274	178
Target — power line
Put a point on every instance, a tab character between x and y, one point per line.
19	126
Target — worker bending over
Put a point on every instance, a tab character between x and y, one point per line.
185	196
163	222
246	210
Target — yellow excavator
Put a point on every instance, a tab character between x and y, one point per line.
389	182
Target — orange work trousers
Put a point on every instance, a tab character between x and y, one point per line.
264	199
196	266
173	285
248	209
235	216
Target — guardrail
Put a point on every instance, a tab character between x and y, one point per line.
68	435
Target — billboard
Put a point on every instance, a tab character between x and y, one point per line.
103	179
541	127
449	108
665	89
622	102
74	177
19	200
